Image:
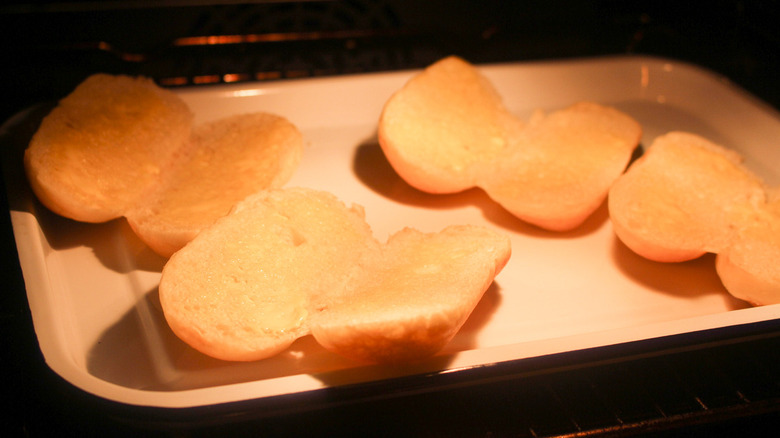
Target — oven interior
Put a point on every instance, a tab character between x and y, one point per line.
716	382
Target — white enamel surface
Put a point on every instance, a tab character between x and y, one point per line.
92	288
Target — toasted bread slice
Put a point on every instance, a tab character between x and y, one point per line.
122	146
289	262
411	301
447	130
444	125
243	288
562	165
749	266
224	162
677	202
104	146
688	196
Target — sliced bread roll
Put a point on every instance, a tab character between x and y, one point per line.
750	266
224	162
678	201
688	196
447	130
441	128
121	146
102	149
289	262
243	288
562	165
412	299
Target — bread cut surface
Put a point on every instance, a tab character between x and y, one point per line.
242	289
412	299
447	130
103	147
688	196
440	129
289	262
561	167
224	161
750	266
679	200
121	146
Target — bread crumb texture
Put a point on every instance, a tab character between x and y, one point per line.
103	147
447	130
414	296
224	161
687	196
121	146
290	262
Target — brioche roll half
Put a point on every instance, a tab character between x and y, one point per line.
441	128
224	161
243	288
563	164
122	146
412	299
688	196
681	198
750	266
447	130
103	147
289	262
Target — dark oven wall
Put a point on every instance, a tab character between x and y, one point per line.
51	45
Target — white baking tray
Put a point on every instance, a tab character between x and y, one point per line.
92	289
